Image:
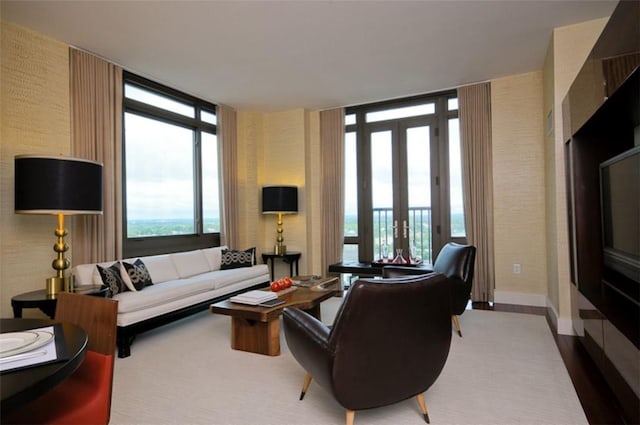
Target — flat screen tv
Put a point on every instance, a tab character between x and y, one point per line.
620	203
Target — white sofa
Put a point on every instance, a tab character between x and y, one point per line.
183	283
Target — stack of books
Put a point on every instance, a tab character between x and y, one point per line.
254	297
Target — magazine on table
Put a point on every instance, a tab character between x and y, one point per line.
253	297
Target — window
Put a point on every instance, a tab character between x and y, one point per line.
403	184
171	189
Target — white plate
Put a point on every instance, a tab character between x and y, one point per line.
15	340
37	340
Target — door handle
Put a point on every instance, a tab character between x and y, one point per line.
405	228
395	229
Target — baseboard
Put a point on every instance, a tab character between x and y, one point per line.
563	325
518	298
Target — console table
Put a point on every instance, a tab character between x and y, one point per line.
290	258
365	269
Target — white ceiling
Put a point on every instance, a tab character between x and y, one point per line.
278	55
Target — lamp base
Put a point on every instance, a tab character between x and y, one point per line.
280	249
59	284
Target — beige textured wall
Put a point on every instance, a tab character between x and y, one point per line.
572	44
35	120
518	172
283	163
570	48
552	180
250	134
280	149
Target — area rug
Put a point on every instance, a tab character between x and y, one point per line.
505	370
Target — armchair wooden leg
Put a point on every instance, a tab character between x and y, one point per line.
305	385
456	324
423	407
350	417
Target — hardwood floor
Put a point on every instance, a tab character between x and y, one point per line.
597	399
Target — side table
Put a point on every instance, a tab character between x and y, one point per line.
290	258
47	303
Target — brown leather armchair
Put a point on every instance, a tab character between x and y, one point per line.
455	261
389	342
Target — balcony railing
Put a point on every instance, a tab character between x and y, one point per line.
419	233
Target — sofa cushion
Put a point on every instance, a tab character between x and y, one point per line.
222	278
112	277
160	294
214	256
161	268
84	273
137	274
233	259
190	263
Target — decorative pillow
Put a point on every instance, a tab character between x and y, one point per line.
125	278
111	277
233	259
138	274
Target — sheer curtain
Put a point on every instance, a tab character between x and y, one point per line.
475	133
96	134
332	188
227	137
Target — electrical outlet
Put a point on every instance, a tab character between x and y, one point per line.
516	268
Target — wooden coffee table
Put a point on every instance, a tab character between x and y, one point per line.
257	329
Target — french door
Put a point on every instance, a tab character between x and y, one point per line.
403	178
404	185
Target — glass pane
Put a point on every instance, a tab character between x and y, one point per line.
208	117
452	104
455	180
349	119
350	186
350	252
153	99
159	183
419	192
407	111
382	193
210	184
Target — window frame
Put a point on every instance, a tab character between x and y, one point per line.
441	211
153	245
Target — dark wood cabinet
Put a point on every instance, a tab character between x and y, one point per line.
602	120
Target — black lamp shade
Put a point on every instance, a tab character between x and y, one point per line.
280	199
57	185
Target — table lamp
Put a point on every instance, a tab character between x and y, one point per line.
58	186
279	200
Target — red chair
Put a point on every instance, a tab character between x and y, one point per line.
85	397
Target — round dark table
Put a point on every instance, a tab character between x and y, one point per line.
34	299
46	302
24	385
